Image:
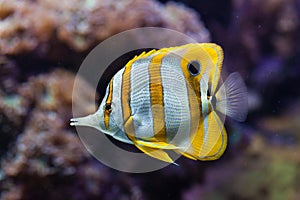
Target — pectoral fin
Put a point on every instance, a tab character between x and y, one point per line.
232	99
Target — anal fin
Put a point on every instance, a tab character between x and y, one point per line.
157	145
155	153
216	141
188	155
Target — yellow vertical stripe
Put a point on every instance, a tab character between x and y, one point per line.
196	119
215	53
108	102
194	96
156	96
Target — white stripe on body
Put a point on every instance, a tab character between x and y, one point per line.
176	102
204	101
117	114
140	102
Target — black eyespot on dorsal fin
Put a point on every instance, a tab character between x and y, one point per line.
194	67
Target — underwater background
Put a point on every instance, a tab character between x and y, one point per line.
42	45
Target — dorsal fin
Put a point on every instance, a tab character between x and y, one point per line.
118	64
142	55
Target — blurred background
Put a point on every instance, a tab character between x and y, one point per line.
42	45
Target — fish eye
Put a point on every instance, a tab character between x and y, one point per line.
107	107
194	67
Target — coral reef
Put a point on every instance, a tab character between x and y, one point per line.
264	171
71	27
48	154
258	30
261	42
13	109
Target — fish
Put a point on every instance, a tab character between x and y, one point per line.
172	99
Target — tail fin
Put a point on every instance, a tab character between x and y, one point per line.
232	99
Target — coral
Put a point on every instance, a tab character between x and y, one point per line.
17	103
9	75
261	42
285	128
12	107
263	172
260	29
80	25
48	158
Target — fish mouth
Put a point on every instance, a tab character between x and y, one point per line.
82	121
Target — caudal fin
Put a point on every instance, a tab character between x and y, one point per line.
232	99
